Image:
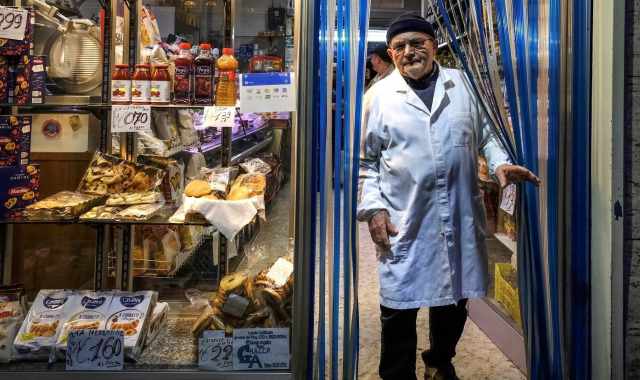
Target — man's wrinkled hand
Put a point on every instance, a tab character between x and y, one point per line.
508	174
381	228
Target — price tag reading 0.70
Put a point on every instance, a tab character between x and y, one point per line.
95	350
13	23
131	119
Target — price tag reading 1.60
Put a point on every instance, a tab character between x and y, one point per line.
131	119
95	350
13	23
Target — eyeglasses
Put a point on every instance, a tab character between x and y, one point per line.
416	44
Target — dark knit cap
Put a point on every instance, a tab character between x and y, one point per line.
409	22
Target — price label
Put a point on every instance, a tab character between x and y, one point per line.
131	119
215	353
95	350
508	203
13	23
267	92
220	117
255	349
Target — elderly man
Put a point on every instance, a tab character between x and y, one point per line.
381	63
423	131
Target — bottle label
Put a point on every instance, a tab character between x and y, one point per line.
160	91
182	84
140	91
203	86
120	90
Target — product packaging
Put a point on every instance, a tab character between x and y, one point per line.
15	140
87	310
130	312
11	316
19	188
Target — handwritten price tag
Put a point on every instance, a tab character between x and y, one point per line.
13	23
215	353
220	117
508	203
95	350
131	119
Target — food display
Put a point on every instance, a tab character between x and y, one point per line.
220	179
127	199
111	175
140	212
102	213
87	311
244	301
11	315
130	312
63	205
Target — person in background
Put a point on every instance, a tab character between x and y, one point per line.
423	129
381	64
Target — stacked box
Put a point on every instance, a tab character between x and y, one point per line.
19	188
15	140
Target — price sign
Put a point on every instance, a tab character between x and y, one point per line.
255	349
215	353
508	203
267	92
131	119
95	350
13	23
220	117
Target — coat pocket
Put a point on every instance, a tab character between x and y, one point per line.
461	127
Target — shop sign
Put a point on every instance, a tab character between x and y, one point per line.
95	350
13	23
219	116
508	203
260	349
267	92
215	352
131	119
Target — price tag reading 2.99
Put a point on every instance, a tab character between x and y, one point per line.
13	23
95	350
131	119
215	354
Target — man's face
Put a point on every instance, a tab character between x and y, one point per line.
378	64
413	53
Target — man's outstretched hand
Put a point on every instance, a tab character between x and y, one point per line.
508	174
380	228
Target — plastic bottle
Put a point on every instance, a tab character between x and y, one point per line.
226	90
182	81
203	76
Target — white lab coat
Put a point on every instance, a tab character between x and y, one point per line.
421	166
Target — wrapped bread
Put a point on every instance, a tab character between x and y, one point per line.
248	186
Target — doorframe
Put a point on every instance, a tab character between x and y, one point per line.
607	323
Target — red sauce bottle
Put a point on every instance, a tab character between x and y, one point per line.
141	84
160	92
120	85
203	67
182	81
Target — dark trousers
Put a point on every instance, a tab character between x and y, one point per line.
399	339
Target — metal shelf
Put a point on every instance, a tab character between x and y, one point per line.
506	241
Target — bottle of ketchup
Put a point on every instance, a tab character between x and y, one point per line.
182	81
160	85
203	76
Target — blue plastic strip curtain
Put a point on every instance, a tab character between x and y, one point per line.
520	53
580	138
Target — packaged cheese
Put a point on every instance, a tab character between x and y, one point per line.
130	312
89	312
11	315
42	326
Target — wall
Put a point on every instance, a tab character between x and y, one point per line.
632	191
380	18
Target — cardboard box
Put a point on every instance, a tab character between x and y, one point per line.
15	140
19	188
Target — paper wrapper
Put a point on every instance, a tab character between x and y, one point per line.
228	217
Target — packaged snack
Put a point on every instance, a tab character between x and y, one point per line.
165	125
158	321
41	328
165	258
22	81
173	182
111	175
102	213
220	179
38	79
4	79
248	186
15	140
195	163
186	128
256	165
140	212
19	188
63	205
130	312
11	316
128	199
87	311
